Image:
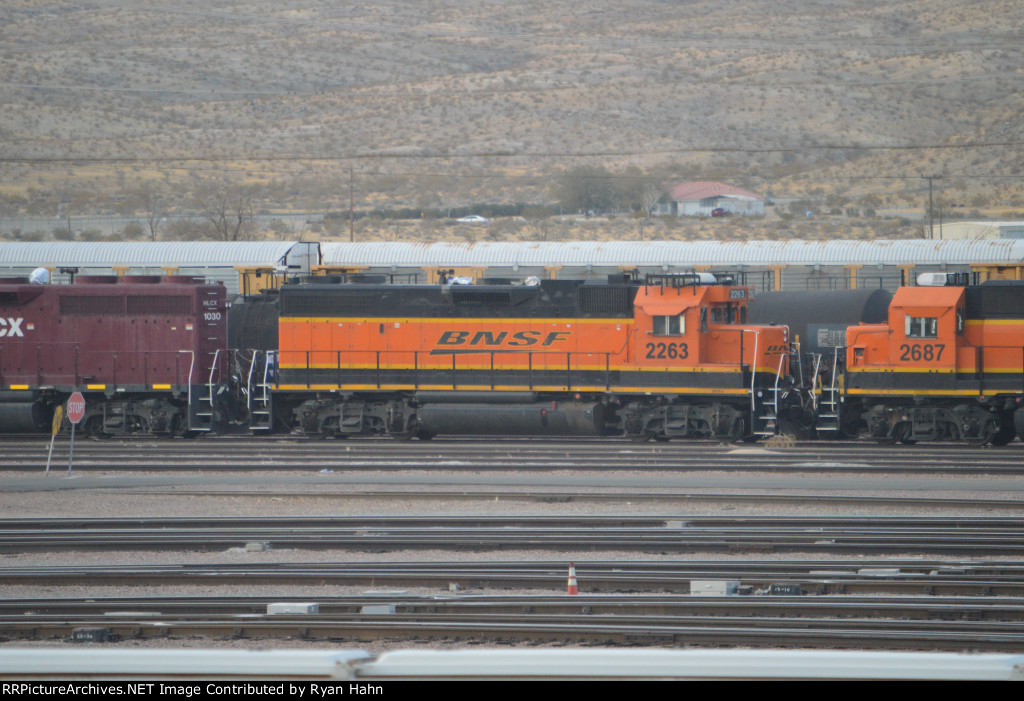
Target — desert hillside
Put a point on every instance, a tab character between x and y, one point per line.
319	105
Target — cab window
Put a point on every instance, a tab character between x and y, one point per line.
921	326
669	325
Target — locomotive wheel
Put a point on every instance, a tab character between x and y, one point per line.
898	433
904	435
94	428
986	434
737	431
661	438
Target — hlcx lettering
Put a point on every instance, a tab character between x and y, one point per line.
11	327
501	338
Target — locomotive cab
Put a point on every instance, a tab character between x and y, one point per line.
702	324
936	370
691	333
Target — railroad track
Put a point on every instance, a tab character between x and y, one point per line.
514	494
865	535
904	582
286	453
952	624
914	577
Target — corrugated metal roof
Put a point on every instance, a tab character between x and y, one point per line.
566	253
141	253
676	253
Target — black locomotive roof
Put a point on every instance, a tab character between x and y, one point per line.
820	317
995	299
549	299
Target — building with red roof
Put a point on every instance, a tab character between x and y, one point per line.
701	198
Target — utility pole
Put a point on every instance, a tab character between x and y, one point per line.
931	215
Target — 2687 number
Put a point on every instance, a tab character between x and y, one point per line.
918	351
660	351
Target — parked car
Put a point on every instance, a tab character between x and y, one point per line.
474	219
719	212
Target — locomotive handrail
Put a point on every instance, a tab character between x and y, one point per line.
835	367
248	384
753	374
816	378
485	364
61	363
191	367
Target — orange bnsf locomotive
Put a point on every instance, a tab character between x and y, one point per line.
947	364
943	360
672	357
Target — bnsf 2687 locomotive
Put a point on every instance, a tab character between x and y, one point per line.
669	356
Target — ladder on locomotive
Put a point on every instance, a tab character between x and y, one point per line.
767	423
828	406
259	396
200	408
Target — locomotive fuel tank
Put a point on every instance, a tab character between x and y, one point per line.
22	412
551	418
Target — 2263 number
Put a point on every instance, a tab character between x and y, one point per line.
660	351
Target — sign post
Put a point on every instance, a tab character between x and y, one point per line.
76	412
58	416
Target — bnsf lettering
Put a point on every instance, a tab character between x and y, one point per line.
11	327
489	338
524	338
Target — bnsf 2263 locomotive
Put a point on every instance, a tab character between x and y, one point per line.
669	356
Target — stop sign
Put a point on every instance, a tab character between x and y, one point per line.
76	407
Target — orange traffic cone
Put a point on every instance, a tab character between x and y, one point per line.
573	589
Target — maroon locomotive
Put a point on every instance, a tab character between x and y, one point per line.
143	350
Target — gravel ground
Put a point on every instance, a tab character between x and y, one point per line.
283	498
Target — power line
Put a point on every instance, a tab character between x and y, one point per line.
430	155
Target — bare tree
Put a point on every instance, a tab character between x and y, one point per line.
227	215
537	222
649	198
151	202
